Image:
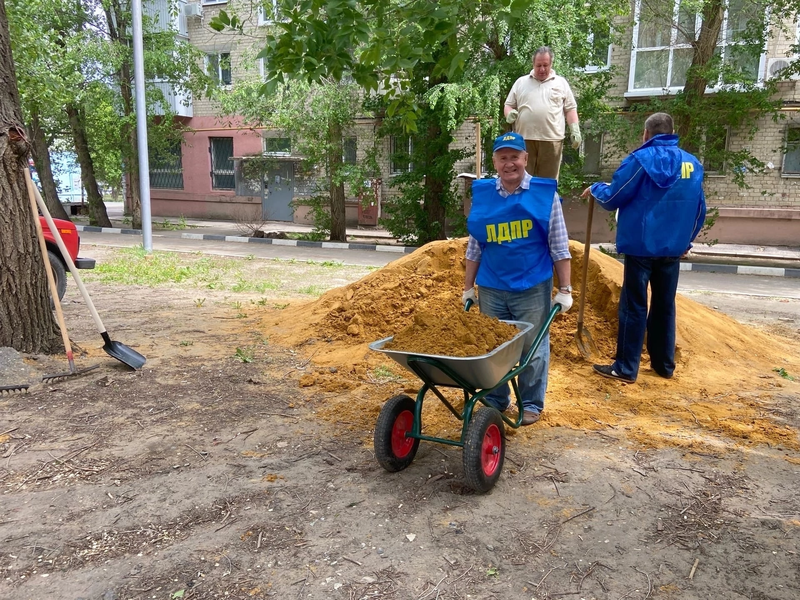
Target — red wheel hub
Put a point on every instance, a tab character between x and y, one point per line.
490	450
402	445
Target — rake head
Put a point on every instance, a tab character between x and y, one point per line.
7	390
68	374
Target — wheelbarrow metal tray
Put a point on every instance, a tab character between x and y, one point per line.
482	372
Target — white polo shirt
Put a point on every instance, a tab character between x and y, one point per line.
541	106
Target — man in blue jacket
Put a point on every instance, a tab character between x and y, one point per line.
658	190
517	237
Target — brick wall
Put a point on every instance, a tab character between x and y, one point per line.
768	190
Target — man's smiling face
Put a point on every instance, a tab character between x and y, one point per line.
510	166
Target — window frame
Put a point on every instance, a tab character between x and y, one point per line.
159	170
346	140
262	20
394	168
598	68
267	152
723	44
218	75
600	145
221	172
793	174
212	2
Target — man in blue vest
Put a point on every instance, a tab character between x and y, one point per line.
658	190
517	235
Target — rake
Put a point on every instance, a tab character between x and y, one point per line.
73	371
7	390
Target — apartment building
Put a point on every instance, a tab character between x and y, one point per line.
652	60
205	178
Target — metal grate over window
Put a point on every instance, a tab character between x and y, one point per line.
222	172
166	168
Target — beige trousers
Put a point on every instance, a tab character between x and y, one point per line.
544	157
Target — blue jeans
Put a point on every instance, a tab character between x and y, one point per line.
634	318
531	306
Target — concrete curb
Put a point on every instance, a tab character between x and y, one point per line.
251	240
685	266
741	269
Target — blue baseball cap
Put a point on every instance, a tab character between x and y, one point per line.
509	140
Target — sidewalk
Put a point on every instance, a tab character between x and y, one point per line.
720	258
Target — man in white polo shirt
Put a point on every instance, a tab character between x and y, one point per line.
538	105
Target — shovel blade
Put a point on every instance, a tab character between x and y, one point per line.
124	354
586	346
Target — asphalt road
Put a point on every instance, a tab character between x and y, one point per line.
749	298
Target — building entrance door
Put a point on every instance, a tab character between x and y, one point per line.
277	193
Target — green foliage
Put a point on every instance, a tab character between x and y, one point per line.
245	355
319	206
783	373
65	53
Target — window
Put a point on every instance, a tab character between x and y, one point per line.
400	149
598	44
268	12
663	34
714	151
207	2
222	174
276	145
166	169
791	154
218	67
349	146
592	154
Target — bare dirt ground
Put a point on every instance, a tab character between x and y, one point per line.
213	473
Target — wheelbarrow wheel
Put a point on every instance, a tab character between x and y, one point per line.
484	449
393	449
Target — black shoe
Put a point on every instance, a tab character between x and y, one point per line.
608	371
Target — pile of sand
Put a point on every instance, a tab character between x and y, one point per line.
722	390
452	333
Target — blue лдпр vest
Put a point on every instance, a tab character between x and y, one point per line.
513	234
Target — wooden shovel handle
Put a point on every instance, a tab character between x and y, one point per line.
51	281
586	249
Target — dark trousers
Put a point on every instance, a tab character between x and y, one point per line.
634	318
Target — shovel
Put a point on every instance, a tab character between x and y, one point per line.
114	349
586	346
73	371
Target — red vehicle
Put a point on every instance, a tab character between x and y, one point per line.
69	233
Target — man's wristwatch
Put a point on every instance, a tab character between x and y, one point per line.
566	289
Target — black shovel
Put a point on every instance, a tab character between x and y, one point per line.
114	349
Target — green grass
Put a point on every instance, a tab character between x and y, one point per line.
244	355
783	373
312	290
268	279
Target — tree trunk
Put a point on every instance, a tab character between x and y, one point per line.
41	157
335	162
436	145
97	210
697	79
26	321
118	32
135	208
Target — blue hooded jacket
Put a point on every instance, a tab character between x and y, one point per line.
658	190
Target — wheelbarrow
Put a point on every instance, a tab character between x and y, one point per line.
398	430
